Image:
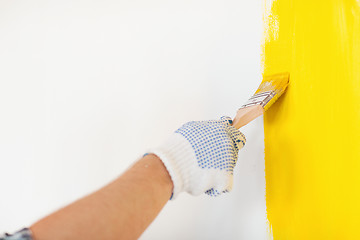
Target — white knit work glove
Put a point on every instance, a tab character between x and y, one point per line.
201	156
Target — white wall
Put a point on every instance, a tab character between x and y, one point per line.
87	86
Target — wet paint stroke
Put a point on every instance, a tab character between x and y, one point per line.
312	134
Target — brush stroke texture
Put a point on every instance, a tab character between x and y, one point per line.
312	134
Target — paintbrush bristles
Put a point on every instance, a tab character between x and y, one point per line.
276	83
270	89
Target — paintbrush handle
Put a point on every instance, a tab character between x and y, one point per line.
246	115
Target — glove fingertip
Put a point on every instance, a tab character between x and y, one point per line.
227	120
237	136
213	192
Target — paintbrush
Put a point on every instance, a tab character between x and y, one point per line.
270	89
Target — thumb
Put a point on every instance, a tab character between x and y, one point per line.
237	137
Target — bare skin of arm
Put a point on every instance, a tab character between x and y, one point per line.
121	210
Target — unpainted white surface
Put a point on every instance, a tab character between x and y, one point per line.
87	86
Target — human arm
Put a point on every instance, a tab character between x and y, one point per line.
121	210
199	157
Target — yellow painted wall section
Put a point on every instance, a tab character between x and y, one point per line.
312	134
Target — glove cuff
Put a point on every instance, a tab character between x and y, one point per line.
179	159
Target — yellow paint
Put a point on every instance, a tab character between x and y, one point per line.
312	134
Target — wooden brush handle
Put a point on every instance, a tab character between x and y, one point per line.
246	115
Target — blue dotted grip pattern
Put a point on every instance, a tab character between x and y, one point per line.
216	144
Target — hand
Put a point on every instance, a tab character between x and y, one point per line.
201	156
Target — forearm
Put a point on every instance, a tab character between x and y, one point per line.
121	210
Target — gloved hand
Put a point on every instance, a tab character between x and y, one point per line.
201	156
